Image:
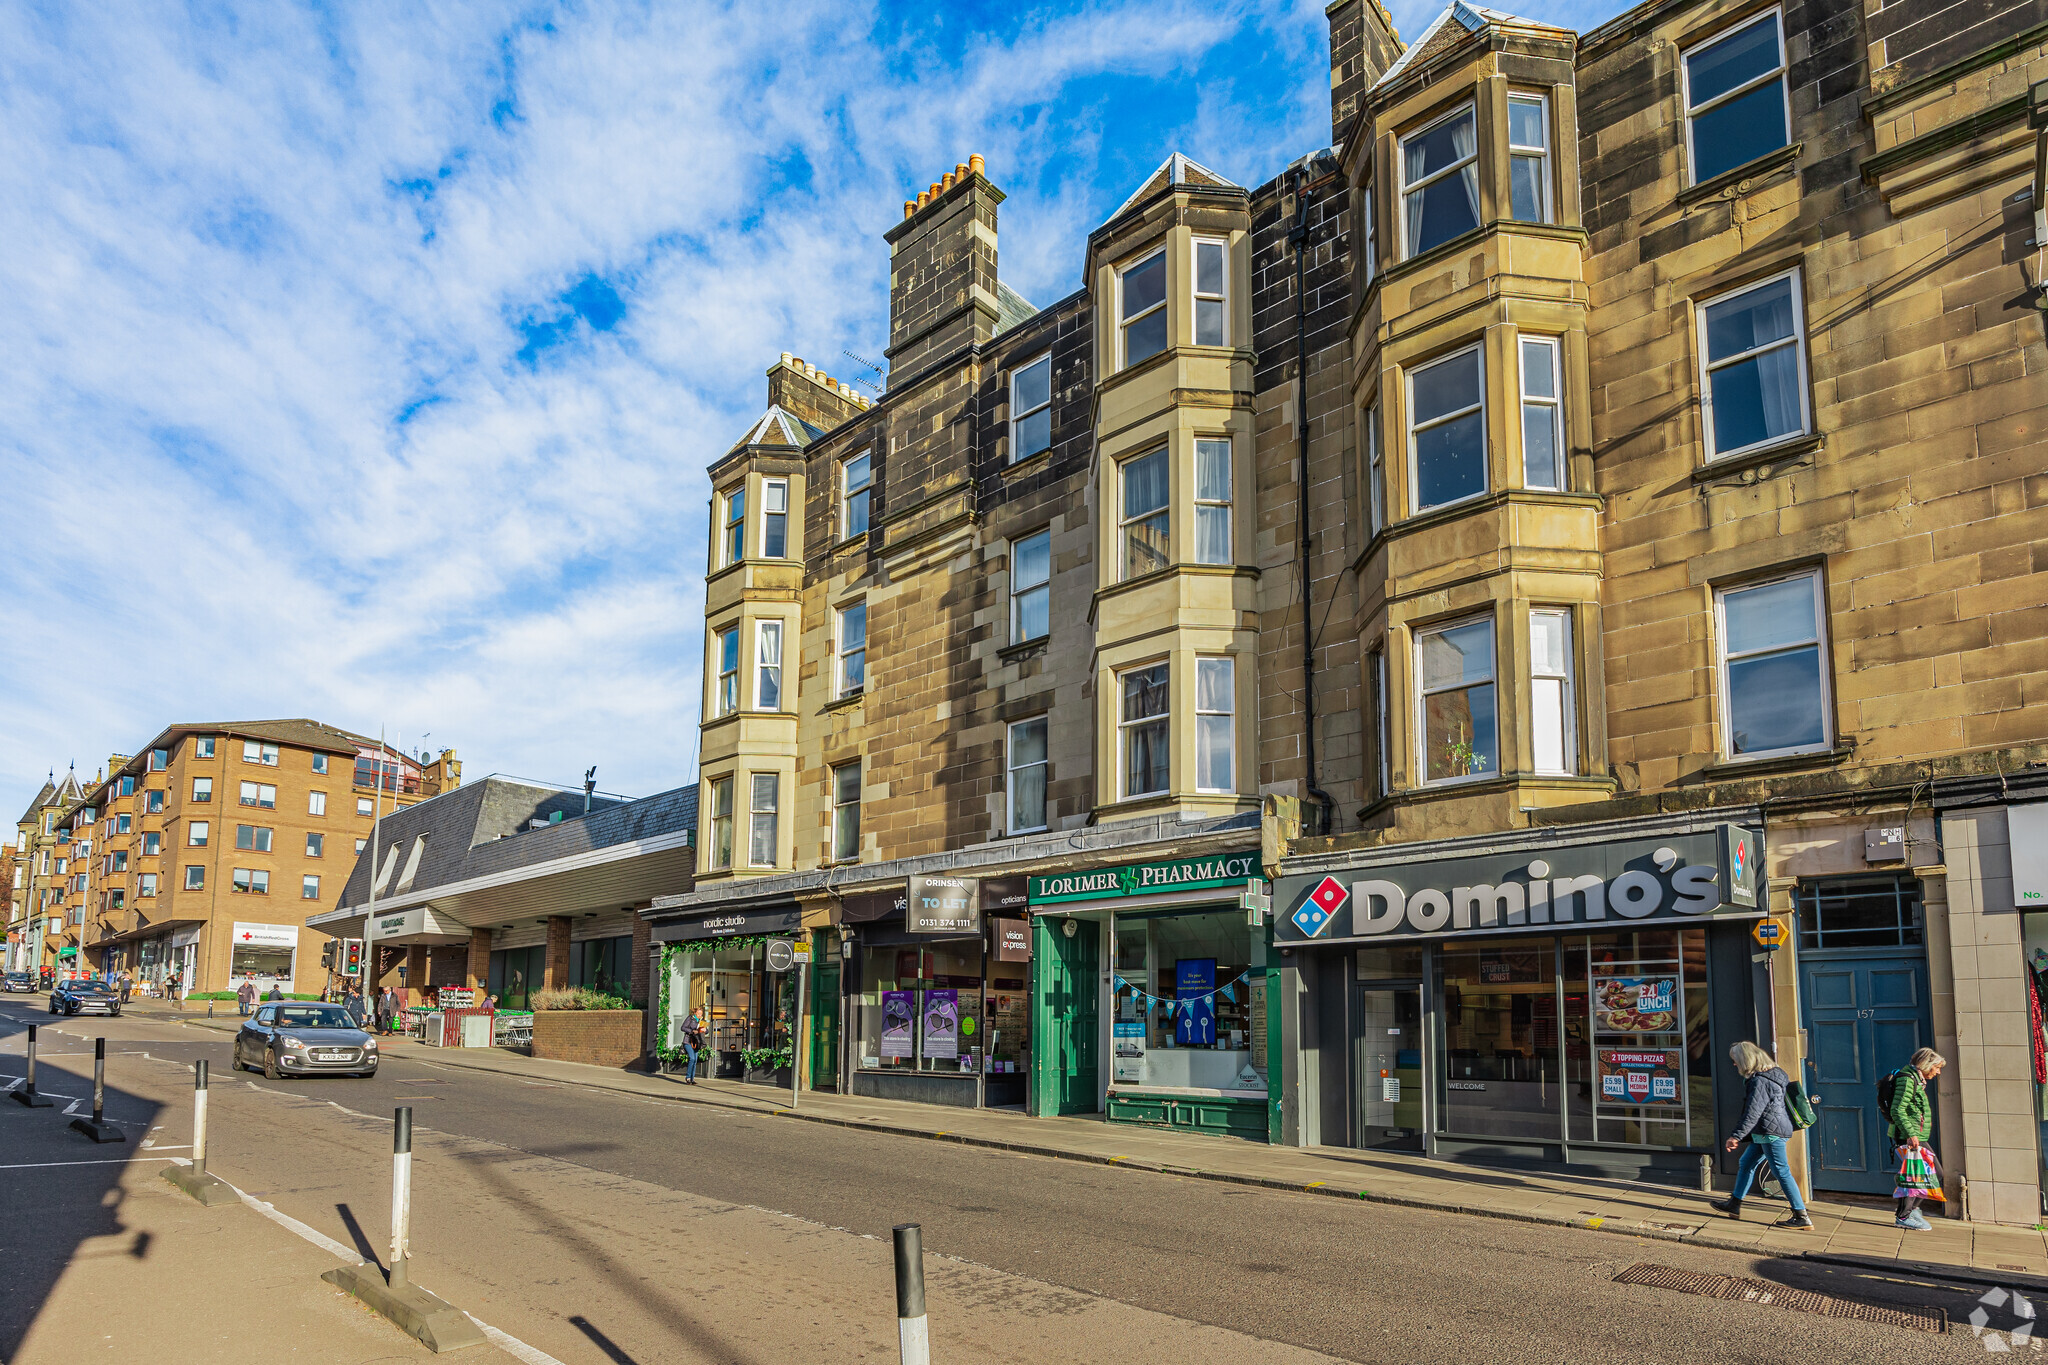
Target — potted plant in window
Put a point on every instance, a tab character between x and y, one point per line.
768	1065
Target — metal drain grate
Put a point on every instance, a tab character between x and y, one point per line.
1798	1300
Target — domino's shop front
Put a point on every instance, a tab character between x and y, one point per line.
1525	1000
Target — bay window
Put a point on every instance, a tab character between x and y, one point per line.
1440	182
1146	538
1375	473
1542	415
1447	430
1455	701
727	698
1553	722
1142	729
768	665
736	524
775	519
1141	308
762	812
1529	158
1211	293
721	822
1212	502
1215	725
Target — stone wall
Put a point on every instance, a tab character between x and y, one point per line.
614	1038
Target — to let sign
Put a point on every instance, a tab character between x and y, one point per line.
943	905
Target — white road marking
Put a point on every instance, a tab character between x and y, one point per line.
511	1345
111	1161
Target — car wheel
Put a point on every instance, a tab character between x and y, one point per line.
270	1071
114	1013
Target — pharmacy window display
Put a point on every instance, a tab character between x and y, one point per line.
1189	1004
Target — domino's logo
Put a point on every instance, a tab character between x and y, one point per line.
1322	905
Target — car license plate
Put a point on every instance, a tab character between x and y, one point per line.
330	1056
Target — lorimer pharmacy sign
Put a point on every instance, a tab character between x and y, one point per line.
1146	879
1675	878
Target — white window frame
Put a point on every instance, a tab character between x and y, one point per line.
1204	715
1227	502
1375	472
772	812
1124	523
725	682
1011	768
1020	591
1523	152
764	631
769	489
255	751
364	806
1780	73
1401	164
1485	447
1196	296
1567	694
145	885
1707	367
729	525
840	805
1554	404
1123	324
848	491
1420	725
1372	234
1018	415
197	833
202	789
841	652
316	803
1820	642
1123	774
204	746
728	787
1383	720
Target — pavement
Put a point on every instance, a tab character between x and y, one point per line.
1853	1233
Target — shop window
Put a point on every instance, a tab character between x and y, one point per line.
515	974
1030	587
1500	1063
197	833
1773	682
1141	308
742	1004
726	698
604	965
920	1007
1447	430
846	812
1860	912
768	665
1542	415
1142	729
1753	358
1212	323
855	480
721	822
1638	1055
775	519
1212	503
1458	724
1529	158
852	647
762	815
1736	105
735	501
1553	724
1031	409
1215	725
1028	766
1440	182
1190	1002
1145	535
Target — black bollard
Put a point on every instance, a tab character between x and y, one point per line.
913	1334
96	1127
25	1094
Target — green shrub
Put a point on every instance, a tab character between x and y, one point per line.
577	998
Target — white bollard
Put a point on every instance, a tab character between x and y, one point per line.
913	1333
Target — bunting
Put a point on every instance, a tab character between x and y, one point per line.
1147	1001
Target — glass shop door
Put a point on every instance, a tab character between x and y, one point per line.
1386	1030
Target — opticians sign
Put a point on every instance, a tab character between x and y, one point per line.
1677	878
1147	879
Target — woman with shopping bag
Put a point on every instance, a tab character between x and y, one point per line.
1767	1125
1909	1117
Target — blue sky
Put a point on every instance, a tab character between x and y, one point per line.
363	361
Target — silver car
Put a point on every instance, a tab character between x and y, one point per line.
294	1039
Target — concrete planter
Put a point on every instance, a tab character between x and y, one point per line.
615	1038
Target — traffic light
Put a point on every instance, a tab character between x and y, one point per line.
327	955
355	956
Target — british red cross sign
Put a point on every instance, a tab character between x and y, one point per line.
246	936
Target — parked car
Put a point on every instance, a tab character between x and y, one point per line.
19	981
293	1039
85	995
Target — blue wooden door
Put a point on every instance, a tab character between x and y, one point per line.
1866	1011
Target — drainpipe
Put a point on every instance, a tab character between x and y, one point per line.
1297	237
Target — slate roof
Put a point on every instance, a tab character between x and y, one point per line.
481	828
779	427
1175	170
1451	28
42	799
1011	308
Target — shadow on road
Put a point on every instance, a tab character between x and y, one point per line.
364	1247
58	1188
601	1341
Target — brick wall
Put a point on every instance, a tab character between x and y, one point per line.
614	1038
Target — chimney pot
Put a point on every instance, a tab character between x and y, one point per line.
909	207
959	172
947	180
924	197
976	164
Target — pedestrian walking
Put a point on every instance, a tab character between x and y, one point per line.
245	996
127	986
353	1003
1909	1118
171	988
274	993
693	1045
1767	1124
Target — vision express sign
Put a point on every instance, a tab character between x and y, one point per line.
1616	885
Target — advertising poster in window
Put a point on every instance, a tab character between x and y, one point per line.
941	1023
897	1013
1636	1004
1194	981
1632	1076
1130	1049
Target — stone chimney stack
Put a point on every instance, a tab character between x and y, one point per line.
1363	45
803	390
942	269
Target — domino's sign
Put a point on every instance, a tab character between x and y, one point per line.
1618	884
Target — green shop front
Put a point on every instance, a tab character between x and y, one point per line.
1150	996
716	963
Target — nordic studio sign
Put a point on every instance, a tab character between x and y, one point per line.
1611	885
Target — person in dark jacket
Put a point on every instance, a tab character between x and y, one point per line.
1767	1124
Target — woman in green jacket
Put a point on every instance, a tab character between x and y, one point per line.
1909	1119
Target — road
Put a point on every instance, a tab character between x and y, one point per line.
599	1226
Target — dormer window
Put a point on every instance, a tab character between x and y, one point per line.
1529	158
1440	182
736	524
1141	309
1735	103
